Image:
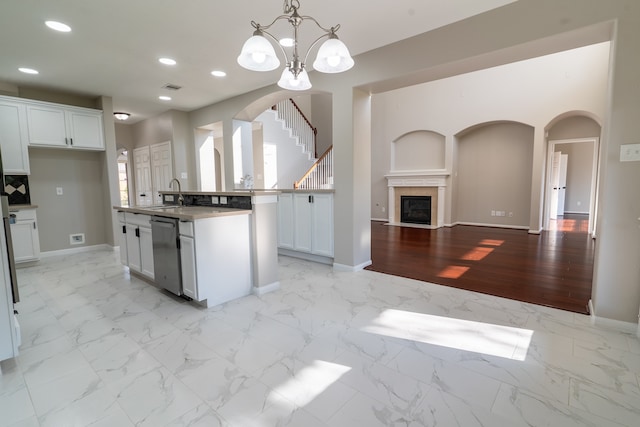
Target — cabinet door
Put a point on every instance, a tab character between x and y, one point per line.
26	245
188	263
146	252
302	222
46	126
85	130
285	220
124	257
14	137
322	224
133	248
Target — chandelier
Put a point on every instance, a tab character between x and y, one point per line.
258	53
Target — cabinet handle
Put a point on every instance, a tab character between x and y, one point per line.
137	232
66	141
124	229
34	225
71	139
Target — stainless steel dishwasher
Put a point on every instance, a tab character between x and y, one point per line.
166	253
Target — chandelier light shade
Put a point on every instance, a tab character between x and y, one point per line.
258	53
121	116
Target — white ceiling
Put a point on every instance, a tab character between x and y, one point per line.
114	46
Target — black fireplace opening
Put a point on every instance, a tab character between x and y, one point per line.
415	209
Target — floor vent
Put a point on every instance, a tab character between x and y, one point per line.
171	86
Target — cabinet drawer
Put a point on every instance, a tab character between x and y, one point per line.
24	214
121	216
138	219
186	228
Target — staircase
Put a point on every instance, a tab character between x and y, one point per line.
320	174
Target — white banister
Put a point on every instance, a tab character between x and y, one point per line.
320	175
297	123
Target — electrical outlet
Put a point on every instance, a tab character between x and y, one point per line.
510	214
384	209
215	200
630	153
493	213
59	191
223	200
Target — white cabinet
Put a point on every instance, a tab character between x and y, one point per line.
14	138
138	243
285	220
24	234
216	258
188	260
122	239
51	125
305	222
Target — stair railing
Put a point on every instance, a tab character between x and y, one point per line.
294	119
320	175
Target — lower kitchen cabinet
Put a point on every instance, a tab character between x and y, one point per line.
305	222
24	234
138	243
216	258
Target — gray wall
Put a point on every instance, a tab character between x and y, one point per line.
81	208
494	174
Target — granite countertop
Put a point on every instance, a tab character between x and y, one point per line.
18	207
224	193
185	213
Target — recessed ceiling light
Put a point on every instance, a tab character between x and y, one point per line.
58	26
164	98
28	70
218	73
167	61
286	42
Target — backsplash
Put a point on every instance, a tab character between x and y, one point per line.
17	188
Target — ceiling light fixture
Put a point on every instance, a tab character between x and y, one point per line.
28	70
258	54
121	116
164	98
218	73
58	26
167	61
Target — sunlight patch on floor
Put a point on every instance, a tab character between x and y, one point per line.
478	337
311	381
453	272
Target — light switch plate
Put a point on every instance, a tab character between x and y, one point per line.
630	153
59	191
183	175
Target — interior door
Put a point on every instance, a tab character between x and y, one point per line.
562	182
555	182
142	167
161	169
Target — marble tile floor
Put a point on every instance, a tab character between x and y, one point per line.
101	348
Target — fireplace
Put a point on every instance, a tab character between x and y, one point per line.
415	209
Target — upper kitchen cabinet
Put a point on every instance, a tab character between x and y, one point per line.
52	125
14	138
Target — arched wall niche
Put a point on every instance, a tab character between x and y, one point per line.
493	174
419	150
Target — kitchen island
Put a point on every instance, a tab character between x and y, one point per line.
214	247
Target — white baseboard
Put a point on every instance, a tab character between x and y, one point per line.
72	251
306	256
380	219
261	290
618	325
481	224
351	268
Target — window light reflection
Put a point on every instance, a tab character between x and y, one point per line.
453	272
478	337
311	381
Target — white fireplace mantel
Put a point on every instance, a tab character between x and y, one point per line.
431	178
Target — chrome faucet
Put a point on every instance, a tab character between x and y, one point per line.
180	198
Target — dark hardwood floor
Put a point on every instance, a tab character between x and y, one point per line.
554	268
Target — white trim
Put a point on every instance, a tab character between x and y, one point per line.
261	290
72	251
351	268
411	225
481	224
306	256
618	325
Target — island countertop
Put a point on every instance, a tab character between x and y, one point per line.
185	213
